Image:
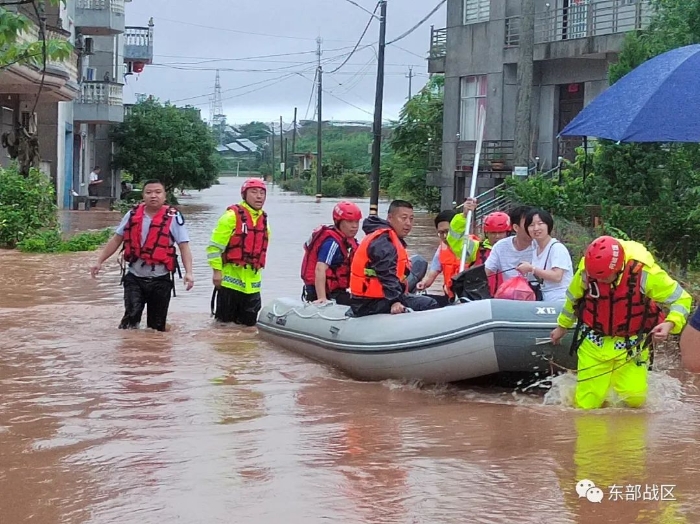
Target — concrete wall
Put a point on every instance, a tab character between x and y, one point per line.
103	59
478	49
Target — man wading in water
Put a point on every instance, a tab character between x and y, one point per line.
149	232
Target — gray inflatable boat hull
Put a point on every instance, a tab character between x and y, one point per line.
455	343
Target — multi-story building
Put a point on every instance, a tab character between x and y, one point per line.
478	52
111	53
81	98
50	116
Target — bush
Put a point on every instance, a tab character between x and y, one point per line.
27	205
355	185
50	241
351	185
296	185
331	188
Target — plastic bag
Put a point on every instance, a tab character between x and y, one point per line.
516	288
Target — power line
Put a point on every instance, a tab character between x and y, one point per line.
369	22
404	35
311	97
242	32
233	88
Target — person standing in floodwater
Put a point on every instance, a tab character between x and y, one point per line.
236	253
149	233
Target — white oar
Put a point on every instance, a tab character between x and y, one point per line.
472	192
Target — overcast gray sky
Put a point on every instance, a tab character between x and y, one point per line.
193	39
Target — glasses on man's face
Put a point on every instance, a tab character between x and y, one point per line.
442	233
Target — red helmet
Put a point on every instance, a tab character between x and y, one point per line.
346	211
604	258
251	183
497	222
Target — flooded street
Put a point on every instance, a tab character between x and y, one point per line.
208	424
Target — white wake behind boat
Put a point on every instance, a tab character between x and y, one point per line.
455	343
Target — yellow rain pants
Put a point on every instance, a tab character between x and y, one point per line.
605	364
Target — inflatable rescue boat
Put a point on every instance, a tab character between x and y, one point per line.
455	343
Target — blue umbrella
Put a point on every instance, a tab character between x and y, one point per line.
659	101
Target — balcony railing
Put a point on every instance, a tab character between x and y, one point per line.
138	36
586	19
496	155
116	6
138	44
70	65
438	43
96	92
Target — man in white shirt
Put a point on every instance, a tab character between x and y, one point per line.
509	252
94	181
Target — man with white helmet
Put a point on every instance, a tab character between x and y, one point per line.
236	253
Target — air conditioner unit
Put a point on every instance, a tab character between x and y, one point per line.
89	46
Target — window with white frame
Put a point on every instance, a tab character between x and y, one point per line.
476	11
472	98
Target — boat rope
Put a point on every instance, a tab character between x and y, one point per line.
640	345
312	315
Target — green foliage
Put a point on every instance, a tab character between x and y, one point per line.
356	185
345	185
649	191
346	147
415	142
28	216
27	205
255	131
169	143
14	51
51	241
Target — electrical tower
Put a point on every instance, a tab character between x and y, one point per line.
217	118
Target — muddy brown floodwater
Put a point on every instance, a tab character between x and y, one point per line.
208	424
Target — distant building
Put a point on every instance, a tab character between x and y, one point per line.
575	42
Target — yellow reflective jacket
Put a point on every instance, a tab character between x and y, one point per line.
239	278
455	239
656	284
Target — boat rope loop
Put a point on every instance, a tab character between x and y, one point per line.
634	352
316	314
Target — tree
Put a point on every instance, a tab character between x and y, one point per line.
255	131
24	145
168	143
12	51
415	140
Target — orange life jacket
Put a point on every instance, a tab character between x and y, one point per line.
248	243
159	247
363	281
622	310
337	278
450	267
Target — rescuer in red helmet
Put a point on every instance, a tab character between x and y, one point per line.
325	268
620	298
236	253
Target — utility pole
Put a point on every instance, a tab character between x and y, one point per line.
525	66
282	152
410	78
319	152
272	127
377	126
286	157
294	144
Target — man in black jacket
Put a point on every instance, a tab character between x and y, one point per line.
381	266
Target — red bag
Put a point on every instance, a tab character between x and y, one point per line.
517	288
